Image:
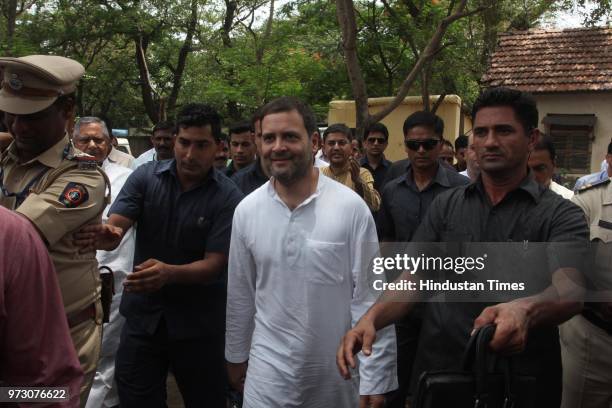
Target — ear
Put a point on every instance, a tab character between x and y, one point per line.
316	141
534	138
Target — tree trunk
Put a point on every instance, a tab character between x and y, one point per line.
10	27
182	59
147	91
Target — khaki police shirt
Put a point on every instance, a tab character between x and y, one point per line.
57	221
596	202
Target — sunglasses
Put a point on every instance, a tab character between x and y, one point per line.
372	140
427	144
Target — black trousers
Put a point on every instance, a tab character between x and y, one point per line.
407	331
143	361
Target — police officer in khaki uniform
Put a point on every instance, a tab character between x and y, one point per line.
56	187
586	339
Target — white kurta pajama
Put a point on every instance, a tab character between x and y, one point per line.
103	390
295	286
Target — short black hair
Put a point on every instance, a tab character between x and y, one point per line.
198	115
610	148
522	103
378	127
461	142
447	143
427	119
239	127
164	125
338	128
288	104
546	143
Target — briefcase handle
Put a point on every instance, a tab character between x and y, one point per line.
478	358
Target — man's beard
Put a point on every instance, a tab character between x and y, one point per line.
297	169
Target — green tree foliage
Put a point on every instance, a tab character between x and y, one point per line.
147	58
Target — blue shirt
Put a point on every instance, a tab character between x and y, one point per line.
177	227
591	179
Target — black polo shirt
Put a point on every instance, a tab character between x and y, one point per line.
177	227
250	178
404	206
379	173
530	213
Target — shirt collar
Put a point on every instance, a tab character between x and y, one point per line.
52	157
528	184
321	182
440	178
169	166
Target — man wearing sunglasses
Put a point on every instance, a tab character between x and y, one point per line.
376	141
405	201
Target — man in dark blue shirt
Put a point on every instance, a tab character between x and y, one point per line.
174	301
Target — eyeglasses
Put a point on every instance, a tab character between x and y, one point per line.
341	142
427	144
379	140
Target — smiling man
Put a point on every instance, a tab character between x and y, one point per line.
174	301
295	279
344	168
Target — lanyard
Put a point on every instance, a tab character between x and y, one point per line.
23	194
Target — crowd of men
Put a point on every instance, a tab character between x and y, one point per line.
236	262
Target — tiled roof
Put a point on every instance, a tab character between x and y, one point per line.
567	60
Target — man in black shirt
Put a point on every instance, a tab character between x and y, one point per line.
405	201
253	176
505	204
376	141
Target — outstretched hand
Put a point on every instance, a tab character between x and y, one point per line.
98	236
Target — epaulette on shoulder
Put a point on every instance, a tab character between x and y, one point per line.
591	186
85	161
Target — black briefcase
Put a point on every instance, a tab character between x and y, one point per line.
487	380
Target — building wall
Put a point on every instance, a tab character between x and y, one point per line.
449	111
599	104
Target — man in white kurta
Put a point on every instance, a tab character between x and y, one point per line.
91	136
296	283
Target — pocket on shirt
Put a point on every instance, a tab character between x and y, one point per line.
326	262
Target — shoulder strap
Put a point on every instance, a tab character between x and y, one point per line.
64	167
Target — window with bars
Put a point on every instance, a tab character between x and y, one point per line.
572	136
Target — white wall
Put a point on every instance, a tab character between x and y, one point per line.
599	104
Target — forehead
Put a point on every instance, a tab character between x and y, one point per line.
495	115
336	136
420	132
91	128
540	155
375	133
162	133
241	137
196	133
282	122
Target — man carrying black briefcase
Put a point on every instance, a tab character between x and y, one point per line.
505	205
